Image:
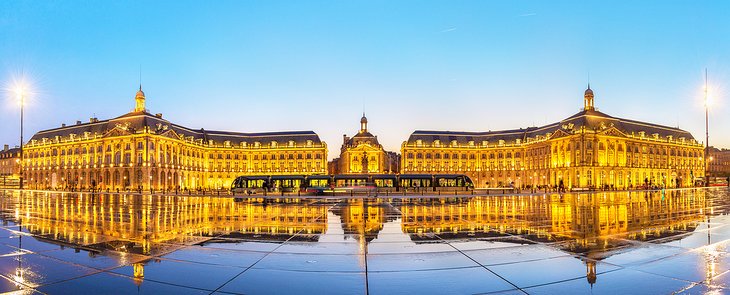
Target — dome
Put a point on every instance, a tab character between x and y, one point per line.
589	91
363	120
140	93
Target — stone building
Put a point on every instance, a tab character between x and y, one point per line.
587	149
363	154
139	150
9	167
719	162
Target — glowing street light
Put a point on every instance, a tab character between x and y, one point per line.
20	91
707	132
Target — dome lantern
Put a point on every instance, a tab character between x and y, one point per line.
139	100
363	124
588	99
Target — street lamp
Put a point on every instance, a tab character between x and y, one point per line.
20	91
707	133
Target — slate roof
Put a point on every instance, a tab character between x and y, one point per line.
137	121
591	119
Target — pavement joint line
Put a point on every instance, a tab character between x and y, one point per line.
568	280
109	272
267	254
661	275
16	282
482	265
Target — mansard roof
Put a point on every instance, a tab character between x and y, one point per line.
590	119
135	122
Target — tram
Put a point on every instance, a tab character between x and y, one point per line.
318	184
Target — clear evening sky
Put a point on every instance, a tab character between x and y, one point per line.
255	66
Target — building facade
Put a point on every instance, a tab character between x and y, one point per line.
9	167
139	150
588	149
363	154
718	162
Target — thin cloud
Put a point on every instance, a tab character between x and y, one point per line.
527	14
448	30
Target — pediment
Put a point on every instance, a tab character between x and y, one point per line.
171	134
613	131
364	147
559	133
117	131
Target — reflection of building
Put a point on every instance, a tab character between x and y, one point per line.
9	167
588	224
583	218
141	150
141	224
719	162
364	217
364	154
588	149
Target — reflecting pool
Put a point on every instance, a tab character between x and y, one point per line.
601	243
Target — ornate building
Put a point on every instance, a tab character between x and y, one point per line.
364	154
588	149
9	167
719	162
139	150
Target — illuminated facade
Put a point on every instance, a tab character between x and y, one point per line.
588	149
719	162
139	150
9	167
363	154
591	224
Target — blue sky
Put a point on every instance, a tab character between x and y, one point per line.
255	66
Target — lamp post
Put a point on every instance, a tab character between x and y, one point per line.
20	92
707	133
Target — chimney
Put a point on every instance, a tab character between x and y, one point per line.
5	148
158	115
63	124
93	120
78	122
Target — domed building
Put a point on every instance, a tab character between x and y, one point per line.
589	149
363	154
139	150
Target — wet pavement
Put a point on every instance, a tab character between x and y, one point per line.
674	241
